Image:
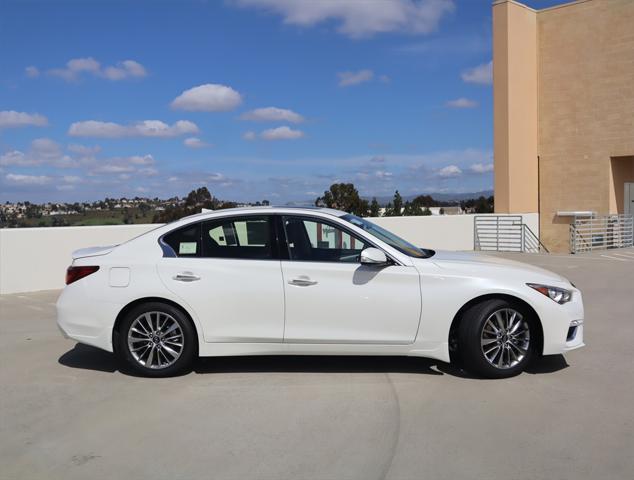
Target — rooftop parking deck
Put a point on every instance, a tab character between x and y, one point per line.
67	412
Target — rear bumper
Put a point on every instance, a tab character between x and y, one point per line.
85	320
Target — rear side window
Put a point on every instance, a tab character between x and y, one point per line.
185	241
238	237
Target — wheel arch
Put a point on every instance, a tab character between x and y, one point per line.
458	317
139	301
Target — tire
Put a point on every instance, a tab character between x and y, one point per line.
156	340
497	338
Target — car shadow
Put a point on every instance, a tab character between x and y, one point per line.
86	357
91	358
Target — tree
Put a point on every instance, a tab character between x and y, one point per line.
196	199
375	209
478	205
395	209
343	196
199	198
412	209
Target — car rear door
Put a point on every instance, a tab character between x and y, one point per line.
332	298
228	271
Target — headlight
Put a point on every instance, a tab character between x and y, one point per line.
559	295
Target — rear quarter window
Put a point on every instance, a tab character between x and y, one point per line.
185	241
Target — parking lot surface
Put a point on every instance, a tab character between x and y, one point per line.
68	413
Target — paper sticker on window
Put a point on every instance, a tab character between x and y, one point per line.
187	248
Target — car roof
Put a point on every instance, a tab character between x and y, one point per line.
268	209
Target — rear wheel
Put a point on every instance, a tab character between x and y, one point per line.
497	338
157	340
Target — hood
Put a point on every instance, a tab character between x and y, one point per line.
474	262
92	251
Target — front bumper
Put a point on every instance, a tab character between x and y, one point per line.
562	325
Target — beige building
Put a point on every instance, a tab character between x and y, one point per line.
563	111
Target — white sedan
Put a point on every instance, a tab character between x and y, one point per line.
310	281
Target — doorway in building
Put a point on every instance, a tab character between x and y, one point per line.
622	184
628	194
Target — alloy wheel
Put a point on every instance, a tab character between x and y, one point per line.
155	340
505	338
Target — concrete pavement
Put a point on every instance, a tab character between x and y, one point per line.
68	413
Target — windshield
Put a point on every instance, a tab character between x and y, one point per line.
388	237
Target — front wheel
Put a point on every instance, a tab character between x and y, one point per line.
156	340
497	338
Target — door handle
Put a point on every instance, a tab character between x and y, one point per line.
186	277
302	282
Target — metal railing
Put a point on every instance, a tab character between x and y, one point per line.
601	232
504	233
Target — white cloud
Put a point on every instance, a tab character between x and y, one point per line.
18	179
382	175
281	133
113	168
125	69
450	171
249	136
482	74
193	142
272	114
149	171
358	19
77	66
126	165
462	103
145	128
32	71
347	79
13	119
481	168
42	151
210	97
141	159
83	150
71	179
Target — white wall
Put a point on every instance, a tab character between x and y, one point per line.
442	232
34	259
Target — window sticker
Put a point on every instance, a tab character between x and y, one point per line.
187	248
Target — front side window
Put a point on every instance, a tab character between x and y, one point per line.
238	237
388	237
317	241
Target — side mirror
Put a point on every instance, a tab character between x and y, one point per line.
373	256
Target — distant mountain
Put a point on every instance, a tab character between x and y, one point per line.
384	200
441	197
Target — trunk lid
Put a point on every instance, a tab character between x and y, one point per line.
92	251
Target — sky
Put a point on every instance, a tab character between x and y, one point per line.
256	99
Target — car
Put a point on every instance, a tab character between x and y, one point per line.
310	281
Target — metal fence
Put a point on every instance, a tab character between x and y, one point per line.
504	233
601	232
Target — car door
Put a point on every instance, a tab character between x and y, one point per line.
228	271
332	298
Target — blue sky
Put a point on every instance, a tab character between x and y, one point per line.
257	99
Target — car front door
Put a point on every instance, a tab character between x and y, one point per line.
228	271
332	298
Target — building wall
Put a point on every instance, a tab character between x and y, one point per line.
563	82
586	110
33	259
515	107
